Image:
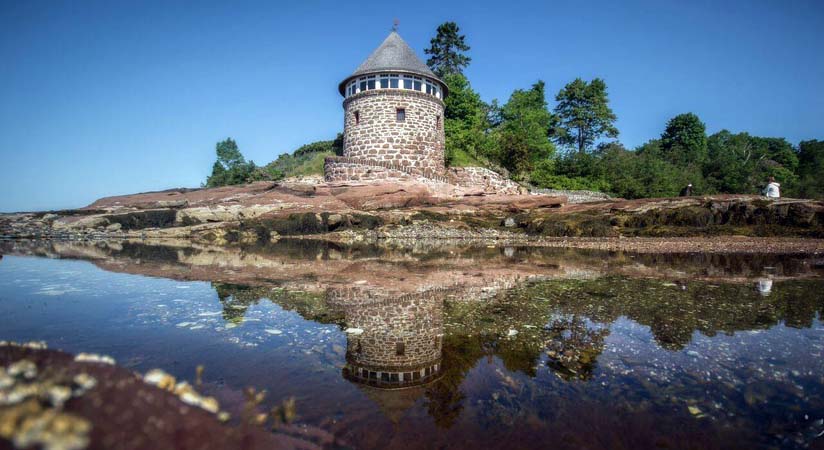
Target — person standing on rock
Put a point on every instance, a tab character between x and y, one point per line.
687	191
773	189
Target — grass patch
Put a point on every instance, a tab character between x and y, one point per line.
460	158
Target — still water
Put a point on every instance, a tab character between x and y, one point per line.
454	347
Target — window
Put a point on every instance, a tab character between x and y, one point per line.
432	88
400	349
393	81
437	122
388	81
400	115
357	117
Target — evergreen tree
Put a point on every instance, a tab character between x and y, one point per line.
584	114
228	154
218	176
231	167
446	49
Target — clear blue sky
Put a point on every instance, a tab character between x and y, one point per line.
114	97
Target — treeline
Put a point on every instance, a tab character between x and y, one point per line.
573	146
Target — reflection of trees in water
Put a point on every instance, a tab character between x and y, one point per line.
236	299
566	320
573	346
675	312
444	398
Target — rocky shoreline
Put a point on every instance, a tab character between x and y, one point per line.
55	400
266	212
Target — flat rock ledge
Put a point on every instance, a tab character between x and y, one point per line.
265	212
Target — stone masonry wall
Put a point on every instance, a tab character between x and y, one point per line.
336	171
416	143
483	178
343	169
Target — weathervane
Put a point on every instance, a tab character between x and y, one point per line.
395	24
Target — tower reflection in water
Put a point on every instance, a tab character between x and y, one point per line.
401	340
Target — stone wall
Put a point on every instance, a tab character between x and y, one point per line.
342	169
417	143
483	178
337	171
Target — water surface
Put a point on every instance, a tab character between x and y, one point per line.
454	347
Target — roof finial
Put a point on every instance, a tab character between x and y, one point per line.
395	24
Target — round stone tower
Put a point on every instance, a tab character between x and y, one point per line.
393	118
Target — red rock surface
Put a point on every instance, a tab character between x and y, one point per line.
128	414
326	197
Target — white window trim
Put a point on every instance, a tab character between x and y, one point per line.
354	86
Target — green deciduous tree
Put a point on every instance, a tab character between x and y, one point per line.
810	169
642	173
446	51
523	135
684	140
466	124
741	163
584	114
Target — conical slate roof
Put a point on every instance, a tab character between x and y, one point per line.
393	55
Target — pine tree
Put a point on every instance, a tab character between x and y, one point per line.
584	114
446	49
231	167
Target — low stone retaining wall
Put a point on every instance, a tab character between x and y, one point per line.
574	196
342	168
479	177
341	171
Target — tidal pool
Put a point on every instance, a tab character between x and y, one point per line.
453	347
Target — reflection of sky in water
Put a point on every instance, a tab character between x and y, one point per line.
140	302
732	380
